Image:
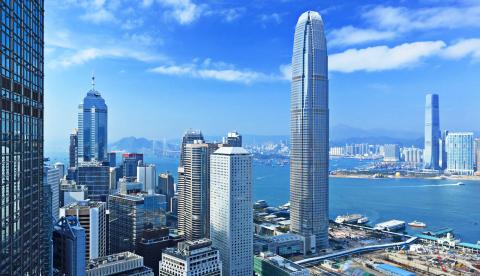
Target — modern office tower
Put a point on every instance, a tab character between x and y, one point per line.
309	132
460	153
147	174
69	247
391	153
269	264
96	176
477	154
233	139
166	186
153	242
47	228
188	138
231	214
130	215
127	186
124	263
73	149
51	179
92	217
191	258
112	177
432	133
194	191
22	136
174	205
70	192
92	127
130	163
112	159
61	169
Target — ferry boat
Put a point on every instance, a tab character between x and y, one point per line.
416	223
362	220
348	218
461	184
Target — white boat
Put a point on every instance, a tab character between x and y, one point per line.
460	184
416	223
362	220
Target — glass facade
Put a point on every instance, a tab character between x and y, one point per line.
21	135
460	153
309	131
92	128
96	177
432	133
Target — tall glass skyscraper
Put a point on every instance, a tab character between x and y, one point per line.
92	127
460	153
21	134
309	132
432	133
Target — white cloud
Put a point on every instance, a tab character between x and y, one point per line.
350	35
381	58
99	16
463	48
273	17
217	71
286	71
402	19
183	11
78	57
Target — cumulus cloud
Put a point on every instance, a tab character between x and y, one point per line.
350	35
463	48
217	71
183	11
381	58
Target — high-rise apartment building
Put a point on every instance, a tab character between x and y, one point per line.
460	153
477	154
130	215
191	258
391	153
92	217
432	133
194	191
22	136
92	127
231	214
147	174
69	247
96	176
309	132
166	186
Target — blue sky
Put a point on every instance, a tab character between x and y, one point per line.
164	66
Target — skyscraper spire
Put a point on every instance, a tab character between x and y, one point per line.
93	81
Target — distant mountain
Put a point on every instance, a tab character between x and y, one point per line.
143	145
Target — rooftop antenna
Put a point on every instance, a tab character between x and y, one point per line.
93	81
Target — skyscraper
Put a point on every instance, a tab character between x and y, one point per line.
51	179
477	154
194	191
22	136
233	139
231	215
432	133
147	174
166	186
93	218
309	132
130	163
460	153
73	149
69	247
188	138
92	127
96	176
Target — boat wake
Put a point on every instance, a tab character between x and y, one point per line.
431	185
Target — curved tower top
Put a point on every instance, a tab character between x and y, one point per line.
94	98
309	133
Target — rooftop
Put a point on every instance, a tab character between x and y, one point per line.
280	262
114	258
231	151
310	15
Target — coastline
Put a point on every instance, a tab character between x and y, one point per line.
371	176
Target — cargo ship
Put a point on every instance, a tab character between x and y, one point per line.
417	223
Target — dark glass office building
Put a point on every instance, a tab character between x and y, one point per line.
21	133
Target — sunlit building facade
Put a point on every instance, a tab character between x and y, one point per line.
309	132
431	152
460	153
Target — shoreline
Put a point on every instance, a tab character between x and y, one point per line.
371	176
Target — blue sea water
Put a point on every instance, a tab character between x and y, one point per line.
438	203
